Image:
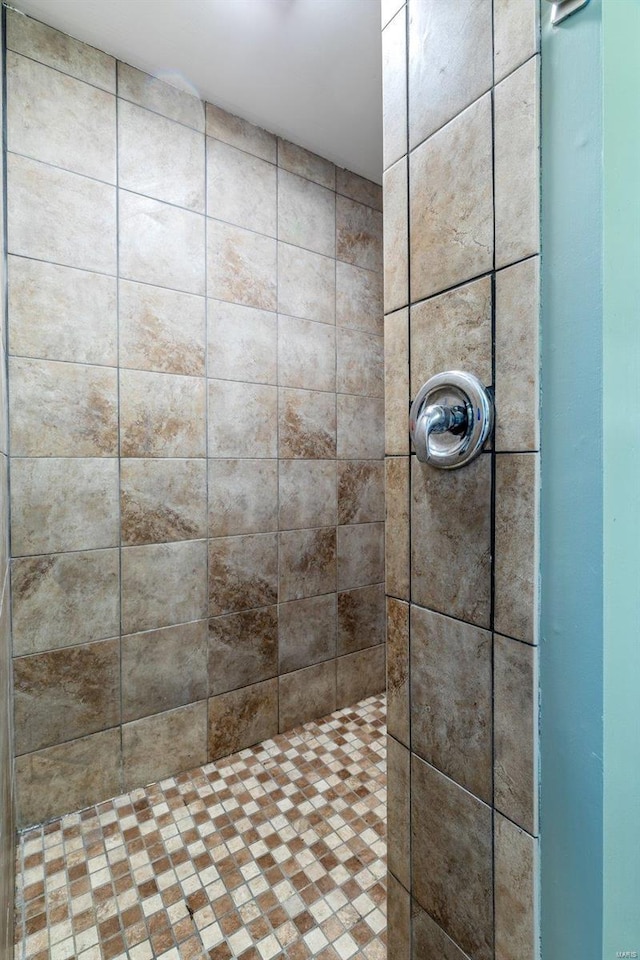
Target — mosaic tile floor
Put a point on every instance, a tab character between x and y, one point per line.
276	852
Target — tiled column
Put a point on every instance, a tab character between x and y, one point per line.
461	244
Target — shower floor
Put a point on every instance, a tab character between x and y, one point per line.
276	852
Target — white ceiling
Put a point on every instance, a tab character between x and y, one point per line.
308	70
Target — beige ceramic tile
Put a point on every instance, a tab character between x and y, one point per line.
161	244
451	836
360	491
306	632
59	600
307	563
243	420
162	500
517	356
243	573
163	584
394	89
61	314
451	203
360	428
358	188
430	940
398	918
360	363
63	504
242	717
306	354
66	694
398	811
241	266
150	681
162	415
240	133
160	158
242	343
306	284
451	540
396	237
306	695
59	216
360	555
450	61
60	120
241	189
358	234
243	497
164	745
360	675
161	330
516	546
517	164
306	214
515	32
161	97
361	616
307	493
515	892
243	649
359	298
397	529
296	159
398	670
396	382
451	710
307	424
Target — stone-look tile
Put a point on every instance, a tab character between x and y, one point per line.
163	500
360	618
241	189
241	266
307	563
451	540
396	382
240	718
360	363
243	420
296	159
161	330
306	354
59	505
60	120
306	284
306	214
515	865
517	164
243	497
359	298
398	811
360	675
150	681
62	409
360	491
59	216
394	90
398	919
514	731
55	49
451	203
163	745
162	415
57	313
307	424
306	695
516	547
398	670
161	244
64	599
307	494
397	528
66	694
452	332
358	234
515	31
243	573
451	709
360	428
451	836
358	188
69	776
517	356
430	941
160	158
396	237
360	555
161	97
243	649
306	632
450	61
163	584
240	133
242	343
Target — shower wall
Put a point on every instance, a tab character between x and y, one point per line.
461	196
196	421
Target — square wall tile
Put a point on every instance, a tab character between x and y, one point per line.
307	424
515	892
398	670
242	343
516	546
306	214
296	159
163	584
243	497
306	695
307	562
358	234
360	555
162	415
306	284
243	420
359	298
515	32
163	745
430	940
358	188
306	354
243	573
360	675
243	649
241	188
161	97
241	266
360	428
360	491
394	89
397	544
398	918
396	382
307	496
240	718
399	811
240	133
163	500
361	615
360	363
396	236
306	632
161	330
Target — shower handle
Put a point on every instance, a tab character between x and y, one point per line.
451	419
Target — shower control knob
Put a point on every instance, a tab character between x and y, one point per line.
450	420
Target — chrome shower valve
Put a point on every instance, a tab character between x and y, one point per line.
450	420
